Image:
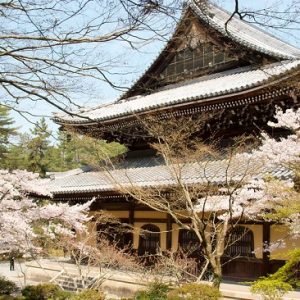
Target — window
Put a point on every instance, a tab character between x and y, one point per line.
189	61
149	239
188	241
120	236
240	242
219	57
208	55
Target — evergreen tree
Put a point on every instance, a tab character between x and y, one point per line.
6	131
38	148
91	151
68	150
18	153
33	152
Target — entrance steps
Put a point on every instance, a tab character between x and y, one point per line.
115	283
74	283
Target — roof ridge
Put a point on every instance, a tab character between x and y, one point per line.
256	27
207	15
202	78
211	77
213	172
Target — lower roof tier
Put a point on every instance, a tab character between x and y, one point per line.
152	172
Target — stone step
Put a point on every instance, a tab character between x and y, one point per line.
73	283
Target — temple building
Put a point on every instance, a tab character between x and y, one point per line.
208	66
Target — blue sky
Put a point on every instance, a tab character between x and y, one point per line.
134	63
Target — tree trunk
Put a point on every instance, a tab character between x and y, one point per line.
217	273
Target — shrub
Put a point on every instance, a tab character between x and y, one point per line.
155	291
9	297
194	291
290	272
46	291
7	287
282	281
270	289
88	295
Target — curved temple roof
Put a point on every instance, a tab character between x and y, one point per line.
244	33
240	32
220	84
205	87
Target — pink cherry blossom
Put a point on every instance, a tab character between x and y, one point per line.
255	194
20	213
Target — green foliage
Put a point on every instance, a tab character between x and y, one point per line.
63	156
155	291
34	152
194	291
7	287
290	272
17	155
74	151
38	147
9	297
88	295
91	151
6	131
270	289
46	291
282	281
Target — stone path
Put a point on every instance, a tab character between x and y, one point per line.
16	276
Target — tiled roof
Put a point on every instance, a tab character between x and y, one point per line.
244	33
152	172
237	30
206	87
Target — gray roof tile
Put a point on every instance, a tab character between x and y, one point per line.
223	83
152	172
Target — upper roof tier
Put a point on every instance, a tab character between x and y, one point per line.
245	37
199	89
227	68
244	33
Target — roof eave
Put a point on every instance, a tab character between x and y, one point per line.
205	100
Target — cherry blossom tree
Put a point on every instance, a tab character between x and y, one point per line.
281	153
256	192
23	220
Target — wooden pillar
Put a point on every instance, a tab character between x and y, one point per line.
131	214
266	243
131	222
169	232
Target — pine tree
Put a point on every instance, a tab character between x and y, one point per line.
38	147
68	150
6	131
18	153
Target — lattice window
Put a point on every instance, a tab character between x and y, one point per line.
240	242
188	240
149	239
189	61
115	234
